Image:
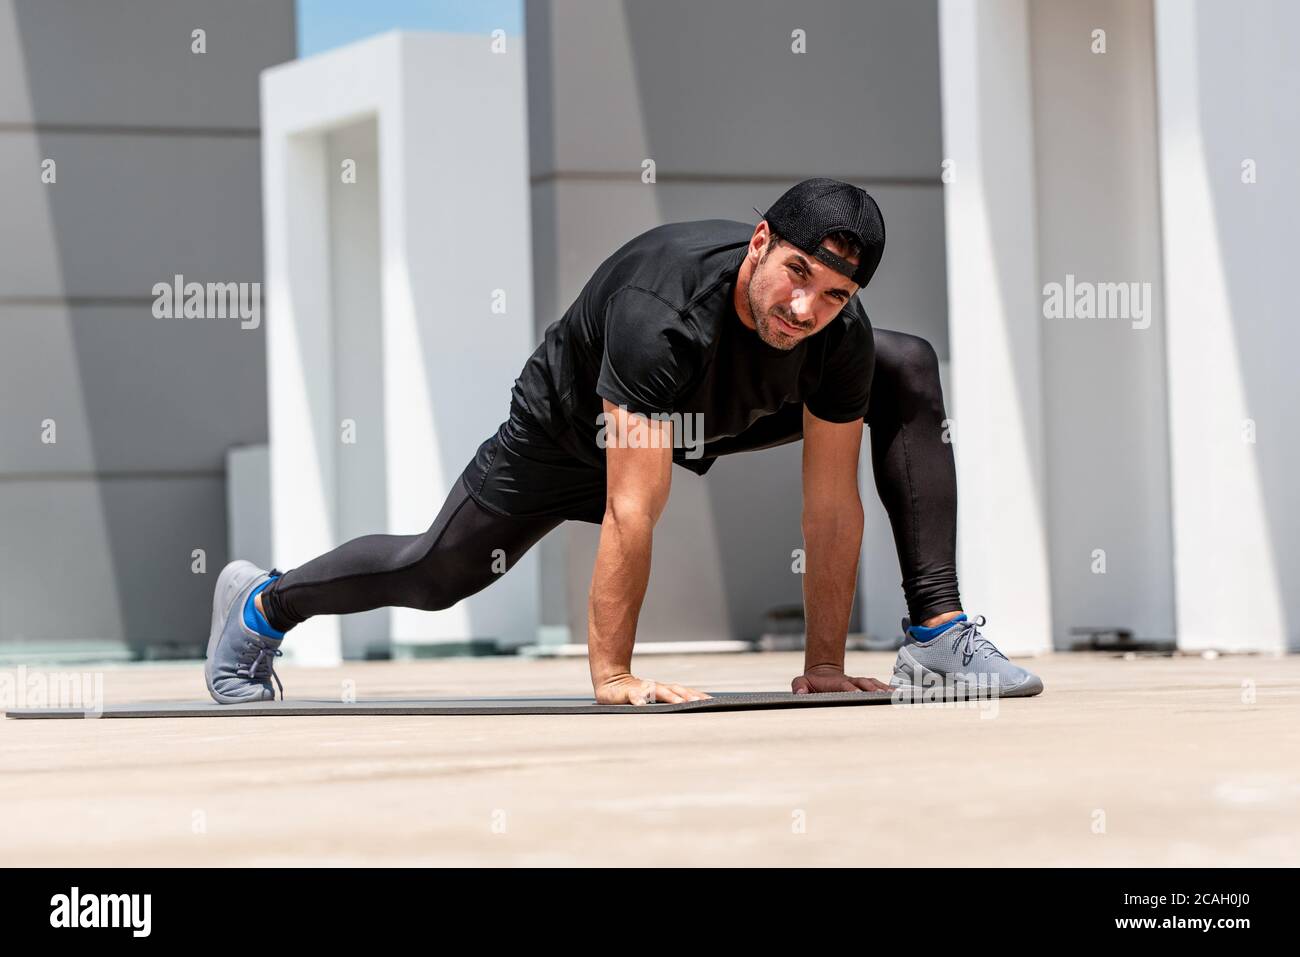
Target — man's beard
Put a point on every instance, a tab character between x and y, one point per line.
767	327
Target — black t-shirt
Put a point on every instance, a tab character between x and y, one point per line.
655	330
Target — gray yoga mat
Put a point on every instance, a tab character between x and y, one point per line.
721	701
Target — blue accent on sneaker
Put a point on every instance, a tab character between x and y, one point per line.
923	634
254	619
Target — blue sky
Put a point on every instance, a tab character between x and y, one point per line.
325	24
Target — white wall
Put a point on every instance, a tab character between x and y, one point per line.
1228	87
995	320
1156	444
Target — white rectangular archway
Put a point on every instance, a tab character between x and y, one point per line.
399	306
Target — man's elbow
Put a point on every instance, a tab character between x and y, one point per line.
633	513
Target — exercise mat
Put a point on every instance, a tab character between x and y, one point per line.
298	707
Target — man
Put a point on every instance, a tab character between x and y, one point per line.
752	337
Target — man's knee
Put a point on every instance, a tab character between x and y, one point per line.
917	360
907	375
438	598
445	588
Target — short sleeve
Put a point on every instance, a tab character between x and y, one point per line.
844	391
649	359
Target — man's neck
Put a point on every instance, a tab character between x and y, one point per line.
740	296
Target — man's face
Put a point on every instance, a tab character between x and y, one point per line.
793	296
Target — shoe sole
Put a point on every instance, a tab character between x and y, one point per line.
230	584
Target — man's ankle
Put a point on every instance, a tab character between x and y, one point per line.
928	623
257	603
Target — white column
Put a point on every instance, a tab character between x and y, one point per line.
1229	136
300	408
994	316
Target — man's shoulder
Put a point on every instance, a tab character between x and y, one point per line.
855	312
694	233
680	262
854	321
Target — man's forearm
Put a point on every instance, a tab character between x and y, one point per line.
833	543
618	587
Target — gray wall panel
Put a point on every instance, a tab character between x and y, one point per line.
128	392
110	560
158	168
1103	381
714	88
128	62
126	212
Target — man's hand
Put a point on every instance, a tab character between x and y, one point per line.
830	678
629	689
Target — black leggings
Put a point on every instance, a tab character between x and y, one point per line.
468	547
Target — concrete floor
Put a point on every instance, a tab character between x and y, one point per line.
1154	761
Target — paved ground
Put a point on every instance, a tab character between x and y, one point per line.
1154	761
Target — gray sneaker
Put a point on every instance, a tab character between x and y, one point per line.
240	661
963	658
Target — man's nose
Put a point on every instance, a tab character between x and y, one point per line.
801	303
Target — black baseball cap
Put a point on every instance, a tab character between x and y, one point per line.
809	211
